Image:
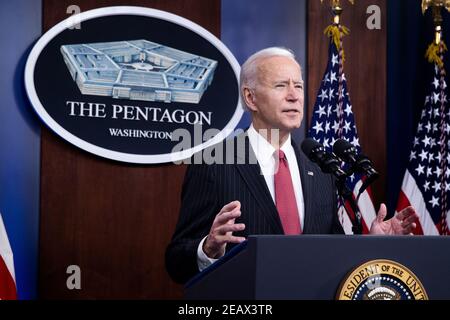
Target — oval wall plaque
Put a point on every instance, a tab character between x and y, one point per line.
132	84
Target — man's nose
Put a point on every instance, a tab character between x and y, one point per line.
293	92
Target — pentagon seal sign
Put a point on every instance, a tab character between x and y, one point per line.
381	280
134	84
140	70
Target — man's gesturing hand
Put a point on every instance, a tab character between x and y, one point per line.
222	230
403	222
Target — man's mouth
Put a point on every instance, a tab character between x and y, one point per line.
291	111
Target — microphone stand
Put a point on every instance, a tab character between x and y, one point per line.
347	195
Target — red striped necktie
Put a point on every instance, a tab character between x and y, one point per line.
285	197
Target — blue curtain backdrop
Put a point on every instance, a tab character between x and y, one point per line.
20	26
409	77
252	25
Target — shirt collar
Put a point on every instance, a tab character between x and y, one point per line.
264	151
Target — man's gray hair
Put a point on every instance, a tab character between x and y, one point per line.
249	68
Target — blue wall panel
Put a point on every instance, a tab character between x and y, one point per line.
251	25
20	26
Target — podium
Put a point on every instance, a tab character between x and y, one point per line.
313	267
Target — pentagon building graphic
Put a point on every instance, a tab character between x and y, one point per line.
139	70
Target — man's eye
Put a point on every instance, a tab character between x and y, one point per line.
280	85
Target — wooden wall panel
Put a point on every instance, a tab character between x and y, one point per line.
113	220
365	69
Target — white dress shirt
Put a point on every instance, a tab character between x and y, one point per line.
265	154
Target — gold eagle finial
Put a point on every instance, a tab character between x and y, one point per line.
426	4
336	3
337	9
436	49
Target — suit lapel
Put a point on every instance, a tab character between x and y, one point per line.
307	181
251	174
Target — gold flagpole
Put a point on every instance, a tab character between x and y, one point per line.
336	8
336	31
434	50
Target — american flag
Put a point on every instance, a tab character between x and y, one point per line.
7	278
333	119
426	184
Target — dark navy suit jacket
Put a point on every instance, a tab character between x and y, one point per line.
208	188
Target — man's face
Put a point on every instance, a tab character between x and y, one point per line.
277	99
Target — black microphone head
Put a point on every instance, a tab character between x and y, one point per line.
344	149
308	147
359	162
327	162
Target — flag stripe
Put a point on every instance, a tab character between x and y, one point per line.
345	221
7	276
403	203
7	284
414	196
5	249
365	207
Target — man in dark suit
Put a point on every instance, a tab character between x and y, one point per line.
269	186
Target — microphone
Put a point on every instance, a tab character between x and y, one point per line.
359	162
330	164
326	161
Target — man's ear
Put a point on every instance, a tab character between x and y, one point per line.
249	98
